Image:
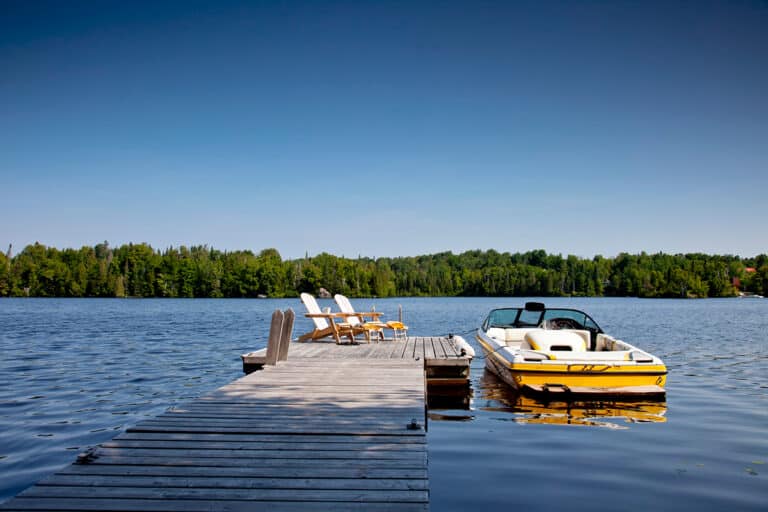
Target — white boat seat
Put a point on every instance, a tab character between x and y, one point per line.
585	335
554	341
510	334
517	335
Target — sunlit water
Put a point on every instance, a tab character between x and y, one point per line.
74	373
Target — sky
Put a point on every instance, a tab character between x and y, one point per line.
386	128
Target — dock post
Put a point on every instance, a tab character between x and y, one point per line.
285	334
275	336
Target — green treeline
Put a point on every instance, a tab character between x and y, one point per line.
138	270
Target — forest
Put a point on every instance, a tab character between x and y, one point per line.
138	270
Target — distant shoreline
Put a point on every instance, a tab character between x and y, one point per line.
394	298
138	270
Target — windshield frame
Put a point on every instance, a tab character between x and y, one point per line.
525	318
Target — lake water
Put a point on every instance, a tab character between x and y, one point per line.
74	373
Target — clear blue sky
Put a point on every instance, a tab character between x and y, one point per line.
386	128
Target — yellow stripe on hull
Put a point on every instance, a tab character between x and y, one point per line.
589	368
578	379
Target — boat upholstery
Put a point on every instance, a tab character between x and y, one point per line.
609	343
510	334
548	341
585	335
622	358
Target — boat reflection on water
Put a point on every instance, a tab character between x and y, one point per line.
494	395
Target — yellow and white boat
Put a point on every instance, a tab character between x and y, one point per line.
559	350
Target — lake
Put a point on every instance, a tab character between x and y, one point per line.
76	372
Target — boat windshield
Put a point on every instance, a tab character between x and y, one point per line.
552	318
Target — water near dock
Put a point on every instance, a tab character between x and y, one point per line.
75	373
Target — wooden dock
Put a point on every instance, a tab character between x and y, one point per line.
336	427
444	362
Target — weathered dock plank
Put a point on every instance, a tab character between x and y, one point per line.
309	470
216	505
227	494
288	439
235	483
286	447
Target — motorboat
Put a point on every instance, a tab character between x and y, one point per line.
564	351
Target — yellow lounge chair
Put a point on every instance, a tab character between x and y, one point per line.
357	319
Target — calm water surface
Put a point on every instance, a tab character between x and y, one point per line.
74	373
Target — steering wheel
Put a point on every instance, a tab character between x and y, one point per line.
558	323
